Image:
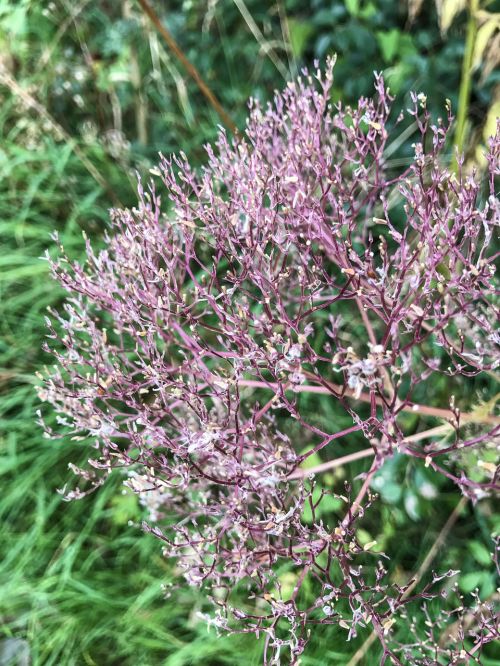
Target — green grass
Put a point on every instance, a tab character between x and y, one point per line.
78	583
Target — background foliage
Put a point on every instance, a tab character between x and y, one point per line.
89	94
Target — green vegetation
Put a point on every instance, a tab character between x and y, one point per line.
89	94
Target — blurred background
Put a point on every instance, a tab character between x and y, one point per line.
90	92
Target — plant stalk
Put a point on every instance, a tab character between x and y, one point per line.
465	82
188	66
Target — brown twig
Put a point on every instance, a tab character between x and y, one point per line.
189	67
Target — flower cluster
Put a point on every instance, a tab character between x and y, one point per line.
295	266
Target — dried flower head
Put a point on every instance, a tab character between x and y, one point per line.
295	265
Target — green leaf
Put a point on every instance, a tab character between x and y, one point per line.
327	505
468	582
412	505
447	11
352	7
366	12
299	31
311	461
364	537
388	41
287	580
124	508
390	490
487	587
480	553
14	20
483	36
369	11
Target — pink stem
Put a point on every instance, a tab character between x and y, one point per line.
331	464
438	412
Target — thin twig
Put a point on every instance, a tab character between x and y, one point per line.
356	505
285	31
261	40
329	388
190	68
364	453
331	464
445	530
416	578
491	633
371	334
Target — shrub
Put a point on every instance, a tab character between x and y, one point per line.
294	267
